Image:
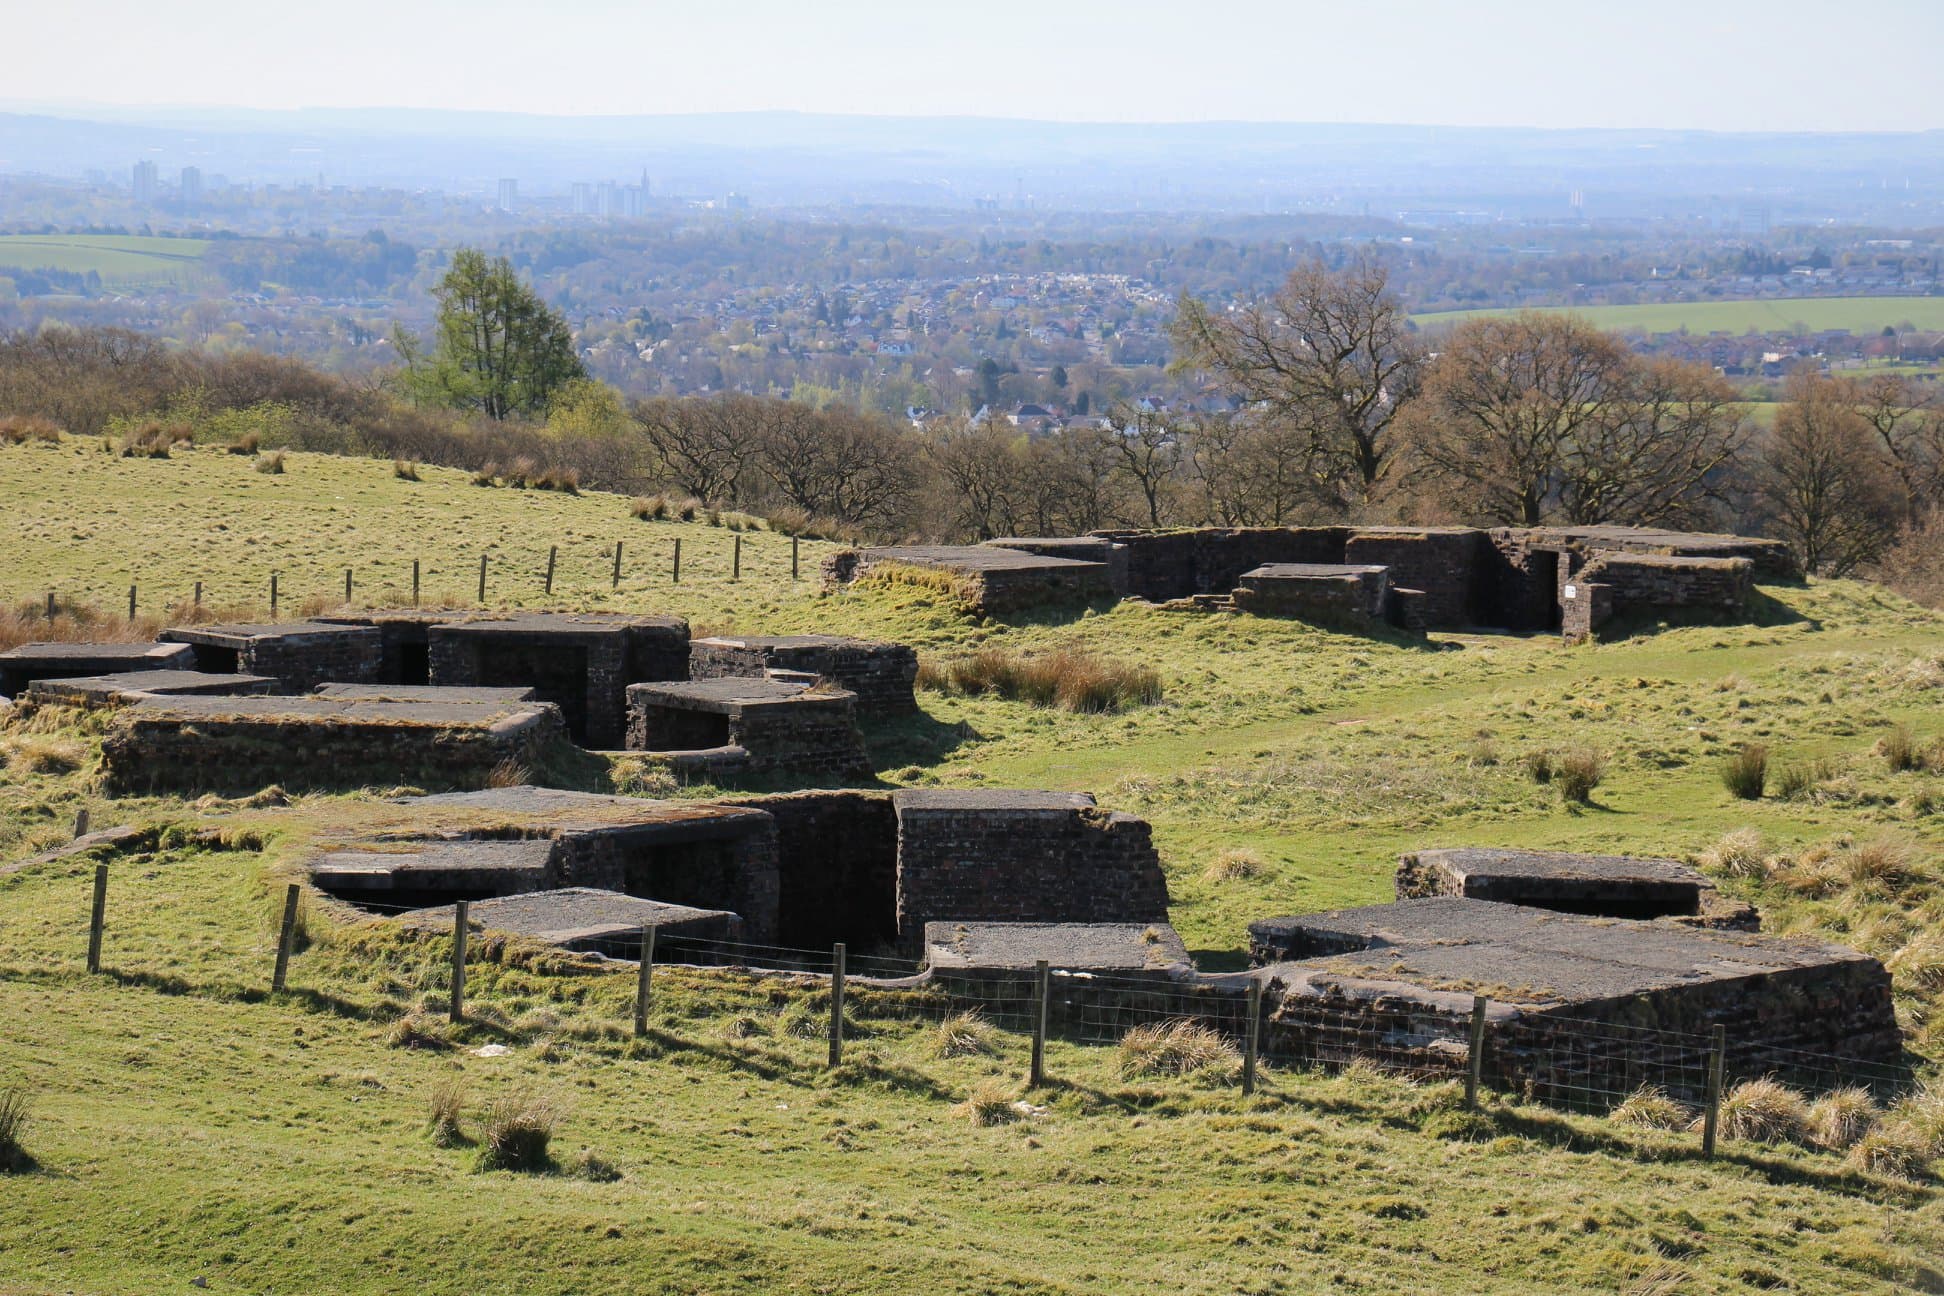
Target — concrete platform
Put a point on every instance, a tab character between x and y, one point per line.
299	654
725	727
588	919
990	579
95	692
437	693
22	665
413	872
1613	886
1081	947
880	673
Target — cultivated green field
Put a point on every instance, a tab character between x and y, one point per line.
124	260
1856	314
190	1125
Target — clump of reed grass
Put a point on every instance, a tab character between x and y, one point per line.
1764	1111
963	1034
1234	865
405	469
515	1132
1651	1107
989	1103
1177	1048
1577	773
271	464
17	429
1745	774
1069	679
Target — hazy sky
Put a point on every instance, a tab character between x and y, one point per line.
1774	65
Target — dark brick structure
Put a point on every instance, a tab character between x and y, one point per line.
588	920
1331	592
999	856
405	643
21	666
880	674
581	662
222	744
837	864
298	654
764	727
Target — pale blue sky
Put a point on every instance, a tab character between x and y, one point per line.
1745	65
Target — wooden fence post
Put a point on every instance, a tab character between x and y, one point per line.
1252	1041
50	605
1475	1056
678	562
131	602
81	823
616	582
457	1011
1042	992
286	936
553	552
273	596
794	541
735	564
836	1003
1717	1064
644	977
98	917
198	593
482	580
415	582
347	584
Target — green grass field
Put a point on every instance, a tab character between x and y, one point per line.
1856	314
191	1125
122	260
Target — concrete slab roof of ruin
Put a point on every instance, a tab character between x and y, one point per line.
233	633
1476	861
568	915
329	710
787	641
558	623
1531	957
557	809
977	558
472	694
477	865
735	692
964	800
102	690
1308	571
110	656
1017	946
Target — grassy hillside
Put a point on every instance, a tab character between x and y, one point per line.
190	1125
123	260
1856	314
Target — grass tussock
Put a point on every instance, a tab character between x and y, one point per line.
1745	774
1069	679
648	508
1576	773
487	474
639	776
153	439
1800	780
516	1131
247	444
1651	1107
1837	1120
1900	750
991	1102
1894	1150
1234	865
564	480
445	1107
405	469
508	773
964	1034
1177	1048
523	472
1741	853
29	754
16	1109
1764	1111
271	464
18	429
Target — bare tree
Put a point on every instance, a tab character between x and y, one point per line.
706	447
838	463
1505	404
1252	469
1672	432
1825	485
975	467
1909	428
1150	450
1331	354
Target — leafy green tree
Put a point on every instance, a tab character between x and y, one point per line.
499	349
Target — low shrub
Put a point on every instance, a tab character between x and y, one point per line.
272	463
444	1107
1578	773
964	1034
15	1110
405	469
1177	1048
515	1132
564	480
15	429
1899	750
522	472
1070	679
1837	1120
1741	853
991	1102
1763	1111
1650	1107
247	444
154	440
1745	774
1234	865
1539	766
1894	1149
648	508
487	474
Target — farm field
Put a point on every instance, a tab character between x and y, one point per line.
120	259
1856	314
191	1125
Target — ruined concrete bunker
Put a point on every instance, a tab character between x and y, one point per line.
724	728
